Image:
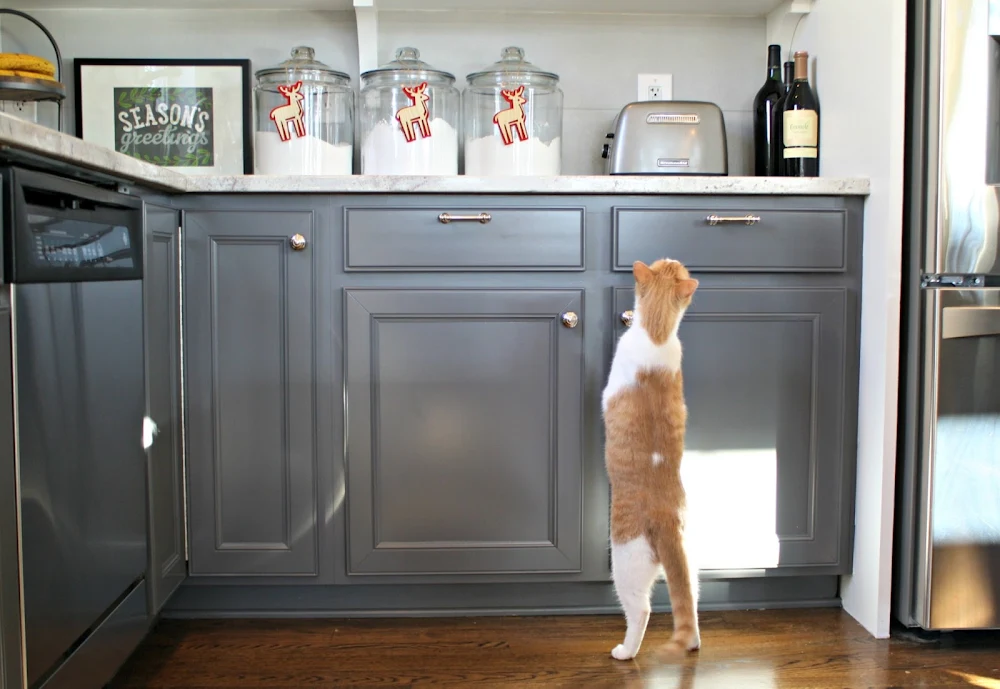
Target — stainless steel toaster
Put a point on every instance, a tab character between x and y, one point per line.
673	137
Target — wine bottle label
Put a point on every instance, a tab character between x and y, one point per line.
800	133
801	152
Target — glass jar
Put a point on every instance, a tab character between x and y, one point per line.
512	117
409	118
305	118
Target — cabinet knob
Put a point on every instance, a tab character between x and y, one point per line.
570	319
627	317
297	241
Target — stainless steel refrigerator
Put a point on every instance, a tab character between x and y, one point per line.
947	538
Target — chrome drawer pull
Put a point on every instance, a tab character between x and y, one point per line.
448	217
745	219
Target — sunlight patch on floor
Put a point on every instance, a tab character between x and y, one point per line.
976	680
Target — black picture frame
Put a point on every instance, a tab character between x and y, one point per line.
245	89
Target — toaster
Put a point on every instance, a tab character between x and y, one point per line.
673	137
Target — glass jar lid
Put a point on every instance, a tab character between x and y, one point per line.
407	67
302	66
512	68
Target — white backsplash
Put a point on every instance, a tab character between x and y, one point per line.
597	57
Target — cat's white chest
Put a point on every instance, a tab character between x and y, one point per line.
636	352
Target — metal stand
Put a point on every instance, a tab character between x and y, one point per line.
26	89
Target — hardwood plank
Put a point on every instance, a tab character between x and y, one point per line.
773	649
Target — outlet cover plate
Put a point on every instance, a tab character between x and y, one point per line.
665	82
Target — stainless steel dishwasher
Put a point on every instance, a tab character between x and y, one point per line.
73	258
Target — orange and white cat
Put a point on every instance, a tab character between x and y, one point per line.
644	421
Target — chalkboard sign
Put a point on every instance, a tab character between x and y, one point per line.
191	115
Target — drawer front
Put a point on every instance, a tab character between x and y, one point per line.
471	238
712	240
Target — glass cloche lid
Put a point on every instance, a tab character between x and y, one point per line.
302	65
408	66
512	68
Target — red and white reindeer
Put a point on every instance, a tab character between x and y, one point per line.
416	113
290	112
512	119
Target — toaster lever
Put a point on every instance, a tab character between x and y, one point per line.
745	219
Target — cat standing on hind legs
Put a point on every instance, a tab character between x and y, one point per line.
644	422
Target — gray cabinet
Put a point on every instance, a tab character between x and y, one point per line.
769	454
250	371
11	668
165	470
465	424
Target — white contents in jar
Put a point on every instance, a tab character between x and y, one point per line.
487	156
385	151
306	155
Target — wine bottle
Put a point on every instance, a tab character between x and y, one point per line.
767	154
778	115
800	124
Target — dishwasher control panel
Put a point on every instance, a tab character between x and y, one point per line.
78	243
63	230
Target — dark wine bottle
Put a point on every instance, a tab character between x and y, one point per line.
800	124
778	115
767	154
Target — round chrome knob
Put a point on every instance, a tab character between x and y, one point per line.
627	317
570	319
297	241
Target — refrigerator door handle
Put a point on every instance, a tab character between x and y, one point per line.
969	321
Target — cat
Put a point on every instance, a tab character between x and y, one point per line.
644	422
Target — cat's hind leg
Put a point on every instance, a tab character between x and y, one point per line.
682	583
634	568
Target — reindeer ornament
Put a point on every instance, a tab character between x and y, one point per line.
290	112
512	119
416	113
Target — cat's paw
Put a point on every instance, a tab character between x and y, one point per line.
619	652
685	642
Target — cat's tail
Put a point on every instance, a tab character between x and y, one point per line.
682	581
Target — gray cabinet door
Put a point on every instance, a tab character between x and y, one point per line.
464	451
767	457
250	380
165	470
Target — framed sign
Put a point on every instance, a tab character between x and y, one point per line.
193	116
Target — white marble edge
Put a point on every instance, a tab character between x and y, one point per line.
16	133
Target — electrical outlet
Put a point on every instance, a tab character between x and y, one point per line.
656	87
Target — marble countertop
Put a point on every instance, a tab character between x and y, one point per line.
32	138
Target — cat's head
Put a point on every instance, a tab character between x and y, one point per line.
663	291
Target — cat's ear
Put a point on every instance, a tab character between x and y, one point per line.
641	271
685	288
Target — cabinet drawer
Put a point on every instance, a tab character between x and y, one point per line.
454	238
777	241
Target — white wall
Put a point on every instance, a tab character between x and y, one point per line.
597	57
266	37
862	120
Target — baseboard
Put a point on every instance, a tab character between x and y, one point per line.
429	600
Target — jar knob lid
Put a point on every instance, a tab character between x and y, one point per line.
512	54
407	54
303	51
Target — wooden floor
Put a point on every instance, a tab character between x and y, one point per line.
746	650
